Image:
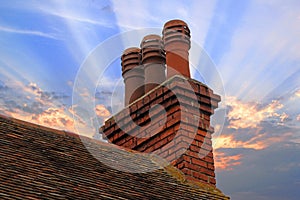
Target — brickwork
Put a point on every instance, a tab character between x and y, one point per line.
180	132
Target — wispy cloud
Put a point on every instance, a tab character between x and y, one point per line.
133	20
66	15
28	32
264	42
197	14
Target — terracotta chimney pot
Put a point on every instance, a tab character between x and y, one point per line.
153	60
133	74
176	38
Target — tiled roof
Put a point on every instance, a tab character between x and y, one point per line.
42	163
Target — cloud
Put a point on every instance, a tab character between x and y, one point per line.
250	115
75	11
3	87
33	88
265	41
271	173
197	14
55	118
297	93
58	118
67	15
226	162
46	98
254	139
228	141
102	115
132	20
30	103
283	118
102	111
256	126
27	32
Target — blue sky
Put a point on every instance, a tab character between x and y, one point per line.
253	46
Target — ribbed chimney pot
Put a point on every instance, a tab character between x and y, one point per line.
153	60
176	38
133	74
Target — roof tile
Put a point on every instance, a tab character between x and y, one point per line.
42	163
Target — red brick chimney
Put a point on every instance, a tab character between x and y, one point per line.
181	134
176	38
133	74
153	60
179	128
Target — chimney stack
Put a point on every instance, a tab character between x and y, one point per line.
181	132
133	74
176	38
153	60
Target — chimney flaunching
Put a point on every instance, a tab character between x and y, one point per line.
181	131
153	61
133	74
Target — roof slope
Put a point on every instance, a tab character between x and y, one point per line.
38	162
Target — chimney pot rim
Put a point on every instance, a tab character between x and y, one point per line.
151	40
131	50
175	22
152	36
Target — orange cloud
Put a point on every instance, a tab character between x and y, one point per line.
298	117
257	142
52	117
55	118
249	115
224	162
102	111
228	141
45	108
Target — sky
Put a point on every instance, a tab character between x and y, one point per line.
59	54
